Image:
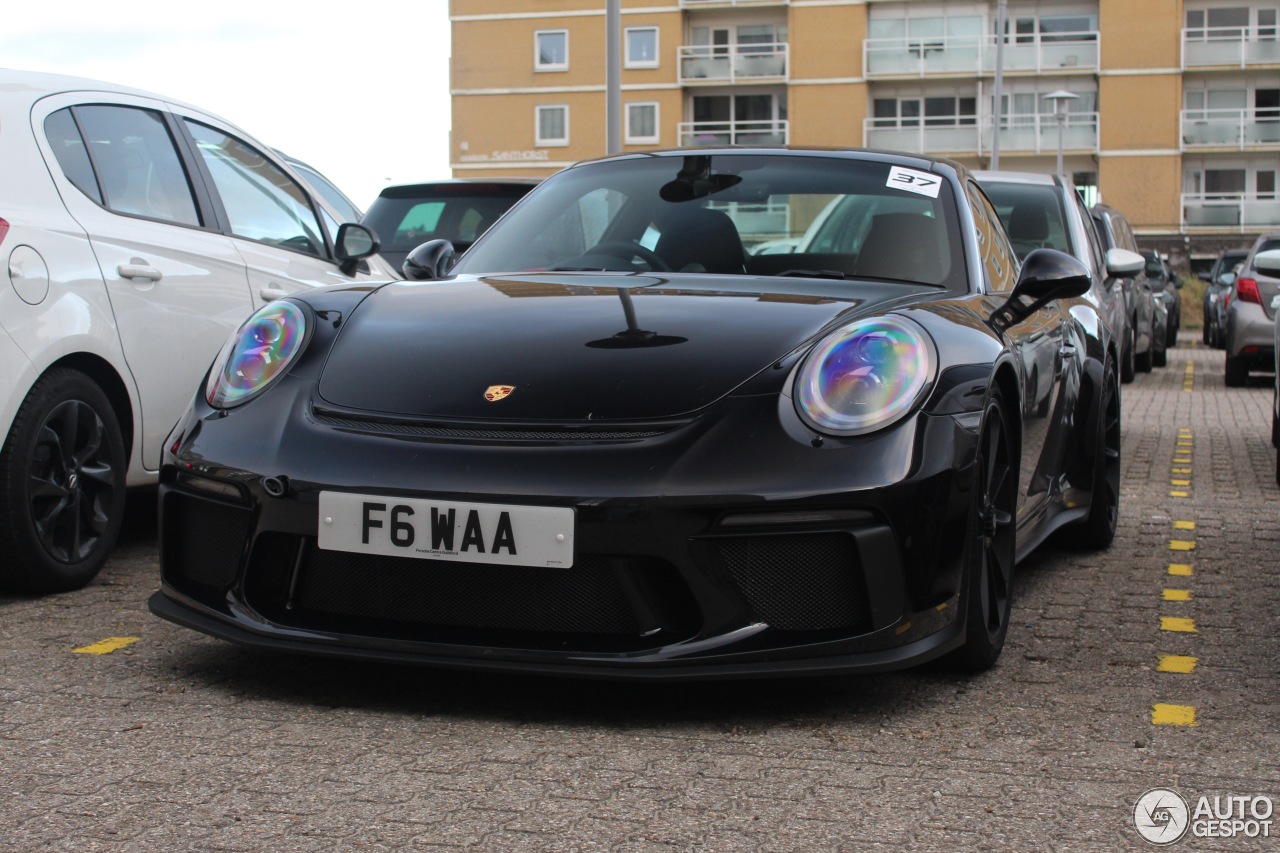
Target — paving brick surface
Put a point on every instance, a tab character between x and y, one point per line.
181	742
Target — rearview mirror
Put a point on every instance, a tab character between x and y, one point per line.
429	262
1047	274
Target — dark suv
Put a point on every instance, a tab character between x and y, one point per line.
1219	280
1116	233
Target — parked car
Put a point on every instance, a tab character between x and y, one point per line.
1044	211
1275	392
1219	280
138	232
1166	284
1249	314
342	206
406	215
1116	233
609	441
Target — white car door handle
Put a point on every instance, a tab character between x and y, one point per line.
270	293
142	271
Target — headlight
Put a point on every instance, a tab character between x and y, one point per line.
865	376
258	352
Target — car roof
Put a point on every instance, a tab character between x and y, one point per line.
914	161
1002	177
33	85
464	182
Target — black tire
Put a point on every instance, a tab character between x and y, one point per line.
1128	366
1236	372
1160	357
1099	529
62	485
1142	360
1205	338
1171	339
990	544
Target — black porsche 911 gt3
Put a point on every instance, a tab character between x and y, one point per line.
613	441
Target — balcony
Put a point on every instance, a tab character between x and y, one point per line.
975	55
1230	211
715	133
1239	129
1239	47
703	4
754	63
1019	134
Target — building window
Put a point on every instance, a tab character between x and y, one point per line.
642	123
551	50
552	125
945	111
642	47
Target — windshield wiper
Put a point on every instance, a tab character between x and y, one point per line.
576	269
811	274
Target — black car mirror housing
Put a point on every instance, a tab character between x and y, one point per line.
353	244
1047	274
429	262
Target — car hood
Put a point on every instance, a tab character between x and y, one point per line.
577	348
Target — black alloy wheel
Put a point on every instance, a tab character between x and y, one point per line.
1104	503
62	485
991	543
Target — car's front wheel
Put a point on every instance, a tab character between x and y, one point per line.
62	485
1128	366
1104	502
1142	360
990	545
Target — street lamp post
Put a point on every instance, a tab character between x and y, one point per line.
1059	99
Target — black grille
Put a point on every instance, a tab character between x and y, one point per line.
584	599
397	428
204	541
800	582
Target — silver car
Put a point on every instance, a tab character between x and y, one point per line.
1250	317
1140	349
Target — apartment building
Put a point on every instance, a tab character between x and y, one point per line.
1166	109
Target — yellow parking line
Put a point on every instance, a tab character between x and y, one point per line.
107	646
903	628
1177	595
1178	624
1182	460
1181	570
1184	525
1181	545
1181	483
1177	663
1173	715
1179	470
1177	494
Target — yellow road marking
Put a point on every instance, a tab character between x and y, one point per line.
1178	624
1182	460
107	646
1179	470
1177	595
1181	545
1177	663
1181	570
1184	525
1182	483
903	628
1187	444
1173	715
1177	494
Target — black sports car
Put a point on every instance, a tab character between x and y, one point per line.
611	441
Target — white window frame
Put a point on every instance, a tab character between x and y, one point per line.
538	65
632	139
538	141
628	62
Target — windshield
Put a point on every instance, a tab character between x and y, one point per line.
1032	214
734	214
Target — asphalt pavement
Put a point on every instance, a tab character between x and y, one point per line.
1155	664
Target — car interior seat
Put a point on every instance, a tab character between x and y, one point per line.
905	246
696	239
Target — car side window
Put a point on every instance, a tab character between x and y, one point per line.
262	202
993	243
137	167
1092	238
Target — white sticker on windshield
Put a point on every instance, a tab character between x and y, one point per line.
914	182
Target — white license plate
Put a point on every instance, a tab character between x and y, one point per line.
502	534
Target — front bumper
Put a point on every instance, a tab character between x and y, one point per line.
692	562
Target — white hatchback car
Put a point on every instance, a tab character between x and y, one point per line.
137	234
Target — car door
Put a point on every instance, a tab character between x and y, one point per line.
274	222
177	285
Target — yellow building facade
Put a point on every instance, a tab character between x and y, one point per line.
1173	115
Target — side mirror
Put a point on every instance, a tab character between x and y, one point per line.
1121	263
429	262
1227	279
1268	262
1205	276
1047	274
353	244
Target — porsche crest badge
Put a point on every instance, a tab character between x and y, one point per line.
494	393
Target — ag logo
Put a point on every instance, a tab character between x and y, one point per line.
494	393
1161	816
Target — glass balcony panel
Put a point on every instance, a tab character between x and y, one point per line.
730	64
1241	211
1230	46
713	133
1233	128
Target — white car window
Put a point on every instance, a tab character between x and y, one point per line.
262	202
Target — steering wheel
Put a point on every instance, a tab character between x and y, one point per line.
631	249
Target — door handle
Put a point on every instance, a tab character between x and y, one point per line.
271	293
139	271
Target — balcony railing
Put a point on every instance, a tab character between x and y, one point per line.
1230	211
1239	128
1022	134
917	57
712	133
696	4
732	64
1238	46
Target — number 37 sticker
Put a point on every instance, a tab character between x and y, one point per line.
914	182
